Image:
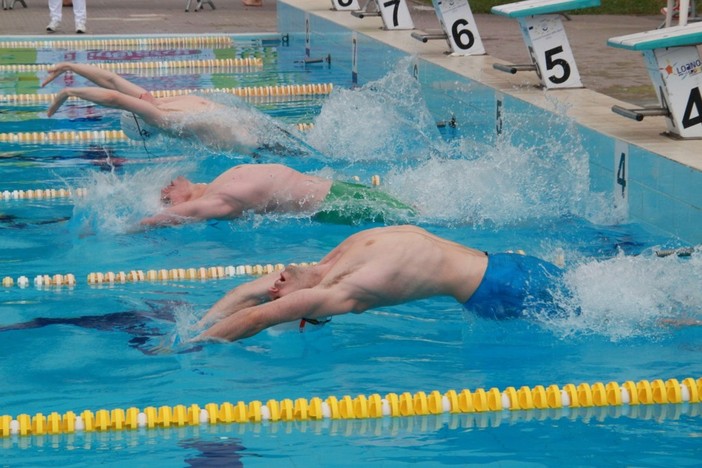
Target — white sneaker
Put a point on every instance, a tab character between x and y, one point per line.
53	26
80	28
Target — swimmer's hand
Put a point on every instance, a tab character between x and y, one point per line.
55	71
58	101
137	228
680	323
204	338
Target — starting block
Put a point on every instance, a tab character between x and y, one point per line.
341	5
675	68
394	13
459	28
542	29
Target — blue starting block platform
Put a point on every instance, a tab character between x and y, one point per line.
542	7
542	29
676	36
675	68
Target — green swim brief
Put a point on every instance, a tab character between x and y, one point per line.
349	203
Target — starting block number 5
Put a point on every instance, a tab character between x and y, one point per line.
550	51
457	20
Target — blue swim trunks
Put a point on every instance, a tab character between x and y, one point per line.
513	283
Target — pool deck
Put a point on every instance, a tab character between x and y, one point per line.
610	75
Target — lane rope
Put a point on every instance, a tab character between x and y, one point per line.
244	92
171	42
126	67
83	136
139	276
583	395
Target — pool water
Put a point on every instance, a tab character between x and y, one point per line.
122	345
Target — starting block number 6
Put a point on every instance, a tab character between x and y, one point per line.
550	51
457	20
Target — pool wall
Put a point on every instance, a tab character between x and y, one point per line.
656	180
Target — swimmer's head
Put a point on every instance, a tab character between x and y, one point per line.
135	128
293	278
178	191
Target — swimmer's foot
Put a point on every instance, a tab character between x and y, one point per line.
252	3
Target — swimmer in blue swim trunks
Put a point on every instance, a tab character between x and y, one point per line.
275	188
383	267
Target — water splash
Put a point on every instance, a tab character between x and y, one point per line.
629	296
386	119
117	202
498	185
528	172
237	127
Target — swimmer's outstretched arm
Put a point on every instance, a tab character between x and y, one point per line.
210	207
114	99
305	303
246	295
103	78
679	323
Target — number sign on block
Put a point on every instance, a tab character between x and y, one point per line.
676	74
550	51
395	14
345	5
457	21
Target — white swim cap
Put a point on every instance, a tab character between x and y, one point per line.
135	128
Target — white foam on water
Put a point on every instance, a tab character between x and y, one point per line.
115	203
629	296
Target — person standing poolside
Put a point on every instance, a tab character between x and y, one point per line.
274	188
145	116
80	15
383	267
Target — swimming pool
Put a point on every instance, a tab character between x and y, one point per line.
530	190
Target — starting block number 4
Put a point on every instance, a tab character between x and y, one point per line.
550	51
457	20
676	73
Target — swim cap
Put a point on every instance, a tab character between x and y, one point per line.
135	128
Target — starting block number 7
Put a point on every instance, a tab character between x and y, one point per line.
395	14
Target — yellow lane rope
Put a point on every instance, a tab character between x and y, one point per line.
99	136
65	136
244	92
138	276
348	427
42	193
170	42
126	67
583	395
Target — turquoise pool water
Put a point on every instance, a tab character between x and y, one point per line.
123	345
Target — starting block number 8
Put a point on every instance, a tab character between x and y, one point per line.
550	51
345	5
457	20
